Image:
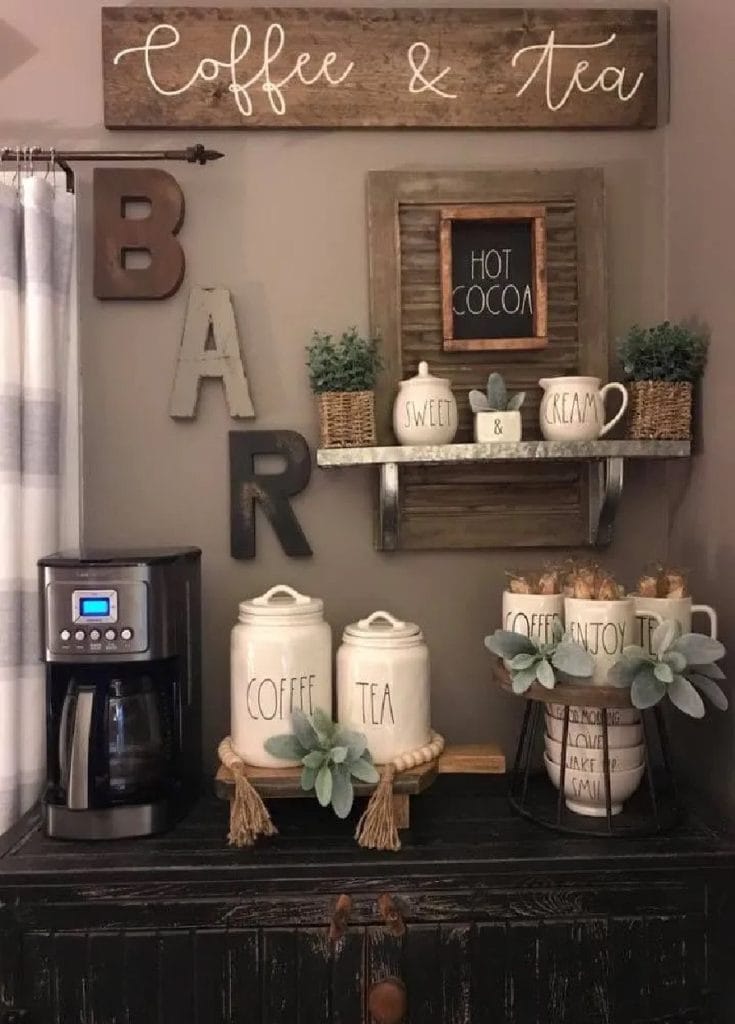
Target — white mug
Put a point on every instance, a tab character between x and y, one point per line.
604	629
573	408
533	614
651	610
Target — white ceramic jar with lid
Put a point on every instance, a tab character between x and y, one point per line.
383	685
425	410
280	659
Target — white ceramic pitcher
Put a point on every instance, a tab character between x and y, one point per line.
573	408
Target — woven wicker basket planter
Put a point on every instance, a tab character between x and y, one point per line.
660	410
346	419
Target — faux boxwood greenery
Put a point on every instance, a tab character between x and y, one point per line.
667	351
350	364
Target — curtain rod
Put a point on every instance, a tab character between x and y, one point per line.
25	155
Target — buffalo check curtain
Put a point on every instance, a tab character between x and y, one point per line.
39	450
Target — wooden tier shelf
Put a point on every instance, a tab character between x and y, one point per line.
427	455
607	492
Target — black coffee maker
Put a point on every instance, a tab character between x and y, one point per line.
121	643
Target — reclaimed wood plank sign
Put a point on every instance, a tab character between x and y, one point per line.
493	270
209	67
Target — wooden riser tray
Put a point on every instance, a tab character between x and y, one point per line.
285	783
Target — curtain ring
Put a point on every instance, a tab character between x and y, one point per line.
51	167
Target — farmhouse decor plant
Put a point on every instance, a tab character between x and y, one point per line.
497	414
331	757
681	667
529	661
662	364
342	374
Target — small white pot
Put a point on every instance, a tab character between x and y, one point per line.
498	426
533	614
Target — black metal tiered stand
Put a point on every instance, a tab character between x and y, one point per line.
652	810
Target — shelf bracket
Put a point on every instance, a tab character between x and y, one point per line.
388	510
606	489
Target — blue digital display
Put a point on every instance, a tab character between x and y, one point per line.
94	606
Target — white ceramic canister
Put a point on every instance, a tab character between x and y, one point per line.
533	614
425	410
681	609
280	659
383	685
573	408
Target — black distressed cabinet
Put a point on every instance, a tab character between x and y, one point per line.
484	918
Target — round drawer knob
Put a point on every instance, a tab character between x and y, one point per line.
387	1001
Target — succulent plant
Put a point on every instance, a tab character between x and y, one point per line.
495	398
330	755
350	364
681	667
529	661
672	352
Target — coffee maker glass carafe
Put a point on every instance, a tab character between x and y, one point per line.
113	742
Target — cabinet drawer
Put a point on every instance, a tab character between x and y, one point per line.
595	970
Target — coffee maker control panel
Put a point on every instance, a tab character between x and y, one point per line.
93	621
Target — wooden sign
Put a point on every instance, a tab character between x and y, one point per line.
493	267
265	67
210	347
117	236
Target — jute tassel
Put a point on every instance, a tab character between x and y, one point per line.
249	817
376	829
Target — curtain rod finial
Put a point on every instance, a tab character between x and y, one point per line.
199	155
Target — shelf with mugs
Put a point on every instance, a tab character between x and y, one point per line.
609	456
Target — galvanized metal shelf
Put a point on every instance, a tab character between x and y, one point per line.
610	455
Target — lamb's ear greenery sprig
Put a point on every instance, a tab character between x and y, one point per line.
681	667
530	661
495	398
330	755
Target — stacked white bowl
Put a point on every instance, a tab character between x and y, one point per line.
584	780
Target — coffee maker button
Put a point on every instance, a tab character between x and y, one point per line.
110	634
94	634
79	635
126	634
65	635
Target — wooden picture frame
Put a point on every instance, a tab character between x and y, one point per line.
535	214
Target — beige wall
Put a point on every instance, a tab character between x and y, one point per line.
281	222
701	220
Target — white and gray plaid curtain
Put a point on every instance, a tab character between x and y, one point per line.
39	487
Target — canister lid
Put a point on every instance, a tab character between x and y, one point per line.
424	377
381	629
281	601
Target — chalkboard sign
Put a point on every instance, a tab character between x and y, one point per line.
493	261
